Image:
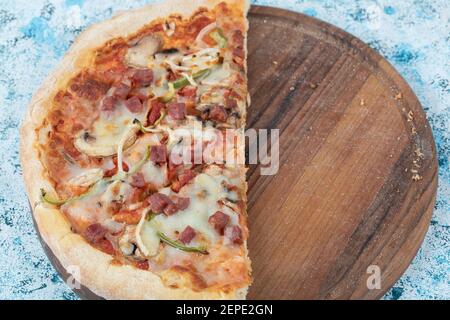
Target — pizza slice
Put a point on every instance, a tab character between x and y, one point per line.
113	154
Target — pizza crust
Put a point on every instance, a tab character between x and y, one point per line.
107	280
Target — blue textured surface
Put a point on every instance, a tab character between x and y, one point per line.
413	35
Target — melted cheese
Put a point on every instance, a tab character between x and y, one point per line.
107	132
204	193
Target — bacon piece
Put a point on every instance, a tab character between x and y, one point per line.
142	265
141	77
183	203
231	103
134	104
94	233
158	154
108	103
89	89
218	113
171	209
158	202
113	171
138	180
128	217
171	76
155	111
234	233
188	91
219	221
176	111
187	235
106	246
178	204
182	180
121	91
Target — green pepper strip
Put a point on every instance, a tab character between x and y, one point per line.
139	165
179	245
149	129
183	82
169	95
219	38
48	199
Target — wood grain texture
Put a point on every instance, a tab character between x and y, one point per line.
352	138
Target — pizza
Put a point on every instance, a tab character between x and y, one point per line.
113	154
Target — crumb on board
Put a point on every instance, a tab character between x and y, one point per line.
410	116
416	177
362	102
275	62
312	85
398	96
419	153
292	88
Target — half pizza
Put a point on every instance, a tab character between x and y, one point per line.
132	154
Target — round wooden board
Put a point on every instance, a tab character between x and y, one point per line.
353	140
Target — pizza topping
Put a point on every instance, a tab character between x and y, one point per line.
188	91
158	202
127	216
156	112
89	89
140	54
108	103
50	200
170	94
141	77
218	113
100	142
219	38
111	172
158	154
121	91
181	246
176	111
219	221
182	180
87	178
134	104
187	235
95	233
138	180
199	39
184	81
146	238
234	233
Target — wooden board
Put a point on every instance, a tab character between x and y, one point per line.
353	137
351	134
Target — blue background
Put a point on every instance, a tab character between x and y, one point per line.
413	35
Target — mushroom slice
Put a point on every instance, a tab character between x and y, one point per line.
86	178
147	238
126	241
140	54
98	145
